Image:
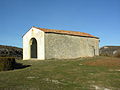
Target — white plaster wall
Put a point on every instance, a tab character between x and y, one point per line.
39	36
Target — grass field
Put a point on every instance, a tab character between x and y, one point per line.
98	73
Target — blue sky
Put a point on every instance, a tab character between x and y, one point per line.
97	17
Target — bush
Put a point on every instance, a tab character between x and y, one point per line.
117	54
7	63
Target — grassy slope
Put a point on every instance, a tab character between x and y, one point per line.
79	74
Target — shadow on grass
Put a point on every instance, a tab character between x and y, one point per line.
20	66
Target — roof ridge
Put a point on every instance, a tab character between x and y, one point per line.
75	33
58	29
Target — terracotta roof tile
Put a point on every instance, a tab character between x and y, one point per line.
67	32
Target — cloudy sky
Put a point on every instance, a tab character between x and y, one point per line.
100	18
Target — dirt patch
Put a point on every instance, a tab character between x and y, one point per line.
104	62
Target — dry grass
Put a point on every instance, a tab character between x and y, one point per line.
99	73
106	61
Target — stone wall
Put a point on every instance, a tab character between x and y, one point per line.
66	47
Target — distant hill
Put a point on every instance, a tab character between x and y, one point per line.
10	51
110	51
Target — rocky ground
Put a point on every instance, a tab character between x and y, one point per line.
113	51
9	51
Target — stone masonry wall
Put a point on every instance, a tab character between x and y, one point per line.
66	47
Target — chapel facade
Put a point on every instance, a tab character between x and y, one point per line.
41	44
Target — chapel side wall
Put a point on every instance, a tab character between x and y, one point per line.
67	47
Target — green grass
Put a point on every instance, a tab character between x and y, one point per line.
76	74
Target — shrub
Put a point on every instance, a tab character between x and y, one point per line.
117	54
7	63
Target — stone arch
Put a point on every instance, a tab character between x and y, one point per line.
33	48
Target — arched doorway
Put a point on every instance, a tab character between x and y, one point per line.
33	48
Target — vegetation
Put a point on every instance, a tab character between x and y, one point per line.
9	51
112	51
7	63
98	73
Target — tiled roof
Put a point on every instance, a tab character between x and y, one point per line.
74	33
